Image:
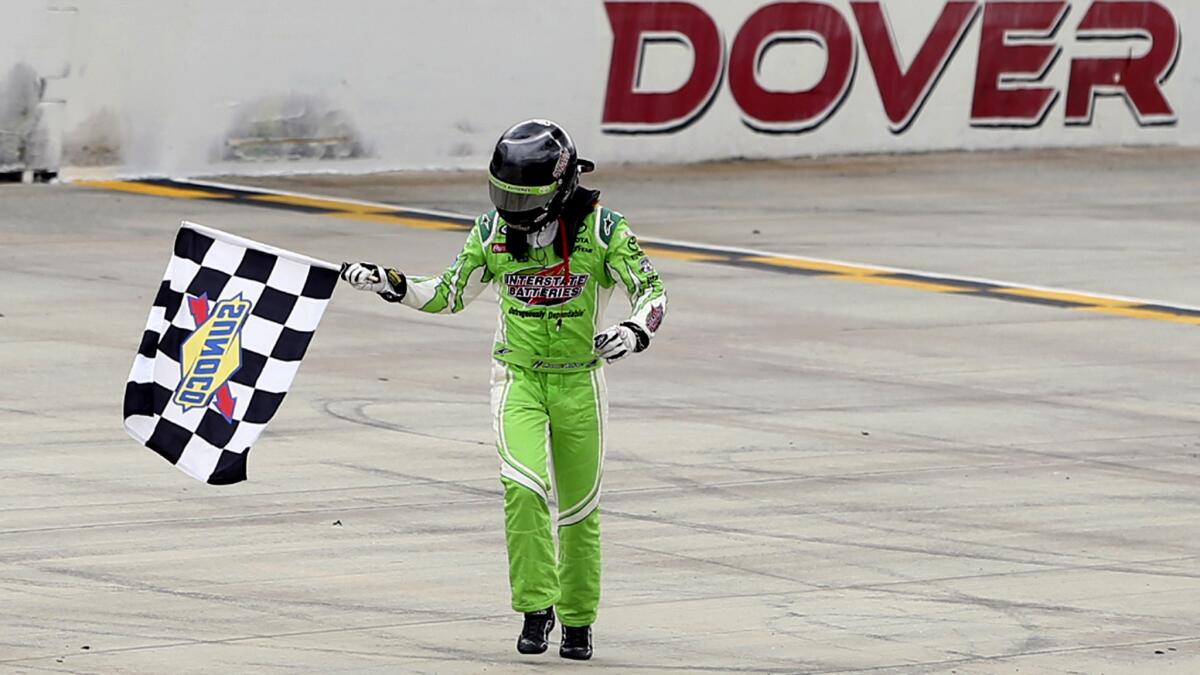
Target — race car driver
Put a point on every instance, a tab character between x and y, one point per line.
553	254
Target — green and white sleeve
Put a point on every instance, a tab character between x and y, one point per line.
635	274
455	288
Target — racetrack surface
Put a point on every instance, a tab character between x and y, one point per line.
810	474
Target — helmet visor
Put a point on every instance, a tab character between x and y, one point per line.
520	198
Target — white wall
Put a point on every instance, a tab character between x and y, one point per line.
159	86
33	68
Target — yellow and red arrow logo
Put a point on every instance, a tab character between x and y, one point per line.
212	354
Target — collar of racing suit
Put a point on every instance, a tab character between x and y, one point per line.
543	237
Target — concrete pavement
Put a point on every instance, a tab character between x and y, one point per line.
805	474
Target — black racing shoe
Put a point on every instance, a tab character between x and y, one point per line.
536	633
576	643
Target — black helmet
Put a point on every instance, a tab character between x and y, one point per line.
534	170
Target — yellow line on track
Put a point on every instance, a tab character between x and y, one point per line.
815	265
321	203
1082	298
422	223
903	283
349	210
155	190
1152	314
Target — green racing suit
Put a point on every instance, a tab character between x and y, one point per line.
548	394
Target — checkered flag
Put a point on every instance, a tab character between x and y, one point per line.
228	328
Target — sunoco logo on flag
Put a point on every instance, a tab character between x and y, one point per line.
230	324
212	354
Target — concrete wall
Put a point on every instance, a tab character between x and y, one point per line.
178	87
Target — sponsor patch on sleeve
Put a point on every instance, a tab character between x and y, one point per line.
654	318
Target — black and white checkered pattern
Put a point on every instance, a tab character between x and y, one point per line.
288	293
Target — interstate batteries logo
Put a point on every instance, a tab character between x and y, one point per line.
212	354
542	287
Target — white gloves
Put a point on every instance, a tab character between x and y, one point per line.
390	284
616	342
365	276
